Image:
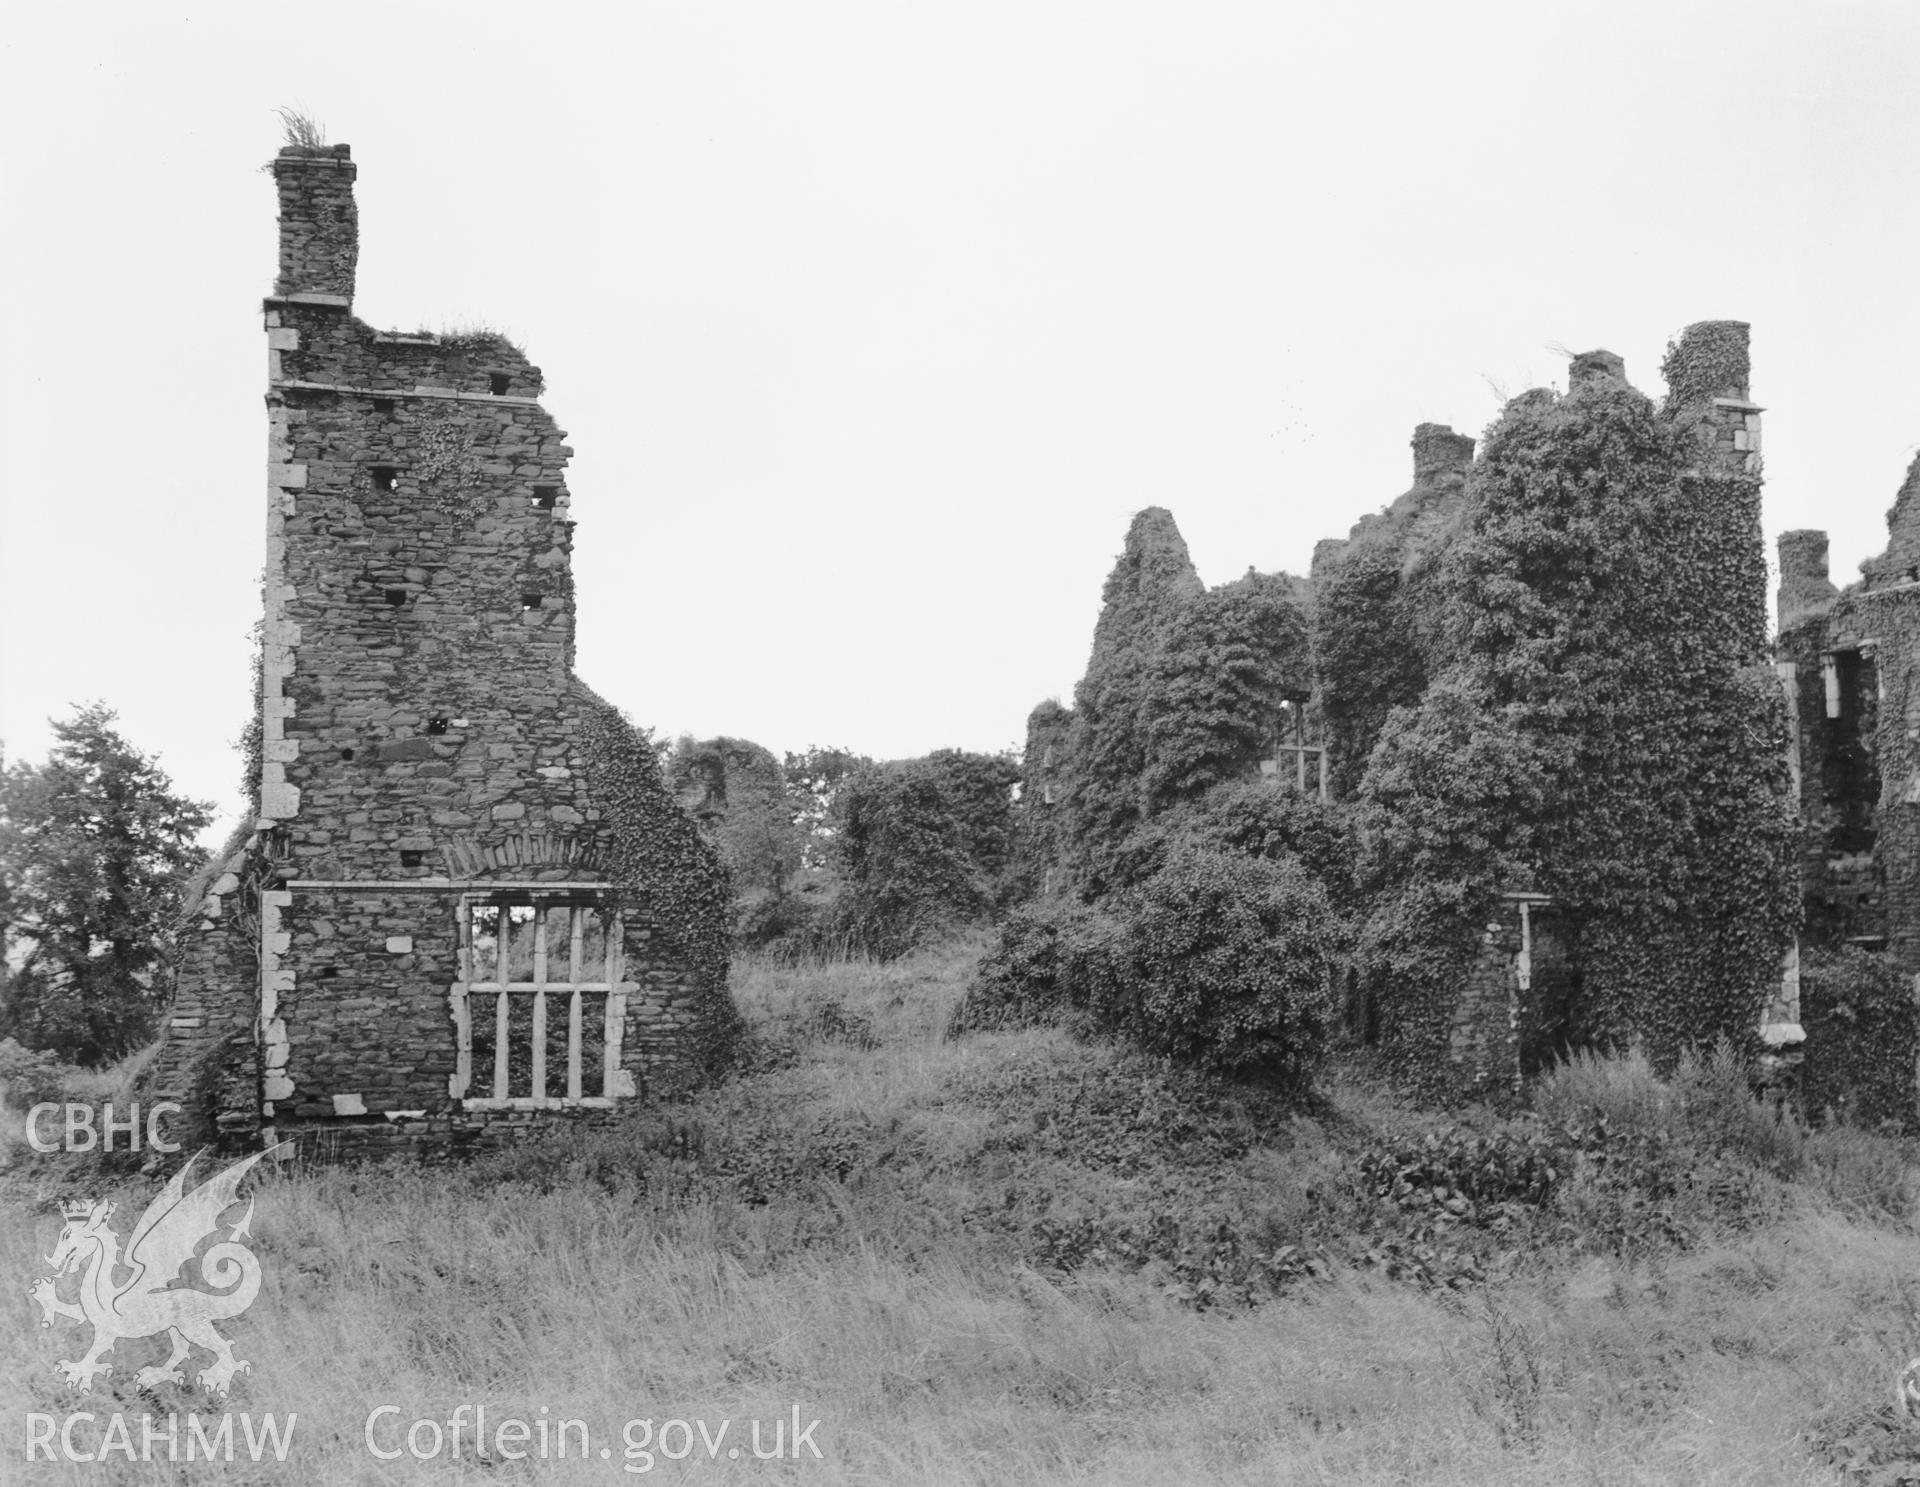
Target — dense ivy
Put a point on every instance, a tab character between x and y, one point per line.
1370	651
1858	1011
1228	657
1182	693
1598	737
925	844
1248	815
1043	817
1152	580
659	861
1709	361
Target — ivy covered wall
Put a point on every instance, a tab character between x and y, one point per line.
1540	675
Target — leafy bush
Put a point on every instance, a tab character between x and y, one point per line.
1235	959
1204	1260
1219	958
30	1077
1052	959
1250	816
1463	1173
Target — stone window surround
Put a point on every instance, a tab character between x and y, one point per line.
468	995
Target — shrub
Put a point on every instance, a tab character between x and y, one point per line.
1220	958
1235	958
30	1077
1052	959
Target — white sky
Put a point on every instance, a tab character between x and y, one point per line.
873	323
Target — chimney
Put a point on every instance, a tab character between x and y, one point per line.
1597	371
1805	589
319	228
1440	456
1707	371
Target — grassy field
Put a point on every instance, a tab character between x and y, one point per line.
1015	1257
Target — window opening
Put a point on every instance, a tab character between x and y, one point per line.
540	1008
436	726
385	477
498	383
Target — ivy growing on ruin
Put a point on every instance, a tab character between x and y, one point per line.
1601	737
926	844
659	861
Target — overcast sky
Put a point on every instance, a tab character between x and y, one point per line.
873	324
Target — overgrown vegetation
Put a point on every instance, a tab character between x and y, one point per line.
1015	1254
659	861
95	847
1598	738
1862	1039
834	853
926	847
1207	933
301	130
1545	677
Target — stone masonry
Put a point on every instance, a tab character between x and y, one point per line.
422	935
1850	661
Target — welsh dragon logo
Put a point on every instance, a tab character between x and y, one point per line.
146	1301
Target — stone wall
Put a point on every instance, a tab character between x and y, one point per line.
425	745
1044	783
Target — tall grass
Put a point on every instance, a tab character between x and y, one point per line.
849	1228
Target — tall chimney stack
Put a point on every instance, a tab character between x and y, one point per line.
319	228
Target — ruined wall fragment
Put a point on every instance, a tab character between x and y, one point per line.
428	757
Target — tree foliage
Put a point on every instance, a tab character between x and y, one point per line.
94	851
926	844
737	791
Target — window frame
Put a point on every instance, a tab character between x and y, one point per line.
494	999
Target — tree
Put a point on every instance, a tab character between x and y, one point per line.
95	850
926	844
815	780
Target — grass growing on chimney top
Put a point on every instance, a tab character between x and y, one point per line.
1019	1258
301	130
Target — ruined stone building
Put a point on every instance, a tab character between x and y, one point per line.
1850	662
1655	505
467	903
